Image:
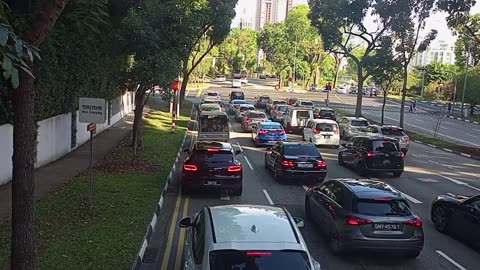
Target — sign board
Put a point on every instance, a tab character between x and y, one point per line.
92	127
92	110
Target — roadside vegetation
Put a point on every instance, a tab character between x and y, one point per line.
124	200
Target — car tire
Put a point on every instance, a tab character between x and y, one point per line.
439	217
265	164
340	160
276	177
238	191
362	169
412	254
308	211
335	244
303	136
397	174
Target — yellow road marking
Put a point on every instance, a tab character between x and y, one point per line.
181	238
171	234
199	93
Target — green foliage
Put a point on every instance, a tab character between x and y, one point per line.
472	93
277	45
383	67
239	50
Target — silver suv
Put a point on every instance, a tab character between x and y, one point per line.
233	236
351	126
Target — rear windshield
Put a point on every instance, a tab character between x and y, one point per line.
257	115
210	109
327	113
265	99
271	127
306	103
204	155
303	114
282	108
359	123
238	94
279	102
326	127
212	94
242	109
381	207
258	260
239	102
393	132
292	100
301	150
384	146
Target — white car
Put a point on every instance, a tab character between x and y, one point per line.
236	83
221	78
342	90
322	132
243	80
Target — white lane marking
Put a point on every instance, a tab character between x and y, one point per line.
305	187
450	260
419	120
451	194
224	196
410	198
459	182
248	162
268	197
417	156
443	135
239	146
427	180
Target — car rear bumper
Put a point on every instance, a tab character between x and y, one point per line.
373	244
221	183
302	174
386	170
261	141
334	140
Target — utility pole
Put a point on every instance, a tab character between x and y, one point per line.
466	76
423	83
294	77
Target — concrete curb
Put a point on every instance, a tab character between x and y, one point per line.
465	120
448	150
137	265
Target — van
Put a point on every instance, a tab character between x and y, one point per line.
322	132
296	119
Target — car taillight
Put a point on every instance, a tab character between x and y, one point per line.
405	138
259	253
288	163
262	131
248	120
402	155
282	132
321	164
316	131
337	131
234	168
279	112
416	222
352	220
212	150
190	167
349	125
369	154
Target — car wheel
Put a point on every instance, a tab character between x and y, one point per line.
397	174
276	177
308	211
336	245
340	160
343	135
238	191
439	219
303	136
265	164
413	254
362	169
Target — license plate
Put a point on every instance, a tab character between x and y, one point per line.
211	183
305	165
326	136
386	227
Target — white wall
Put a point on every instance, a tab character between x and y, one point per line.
54	137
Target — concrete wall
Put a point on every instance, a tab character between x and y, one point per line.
55	136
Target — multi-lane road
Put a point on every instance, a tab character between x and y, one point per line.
428	173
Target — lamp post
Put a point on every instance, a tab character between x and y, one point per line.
454	90
294	77
466	77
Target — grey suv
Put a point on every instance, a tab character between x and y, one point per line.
351	126
236	236
364	215
390	132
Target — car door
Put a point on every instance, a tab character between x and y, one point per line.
195	243
336	212
316	204
341	123
325	208
358	150
347	152
270	154
469	220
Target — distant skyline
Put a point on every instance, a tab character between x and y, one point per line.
246	9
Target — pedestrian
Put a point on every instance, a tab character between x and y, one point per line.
410	108
449	107
414	106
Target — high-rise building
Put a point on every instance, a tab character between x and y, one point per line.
245	24
289	6
267	12
439	51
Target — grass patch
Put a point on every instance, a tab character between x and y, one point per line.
198	85
124	203
473	118
430	140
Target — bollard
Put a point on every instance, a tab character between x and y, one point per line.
174	120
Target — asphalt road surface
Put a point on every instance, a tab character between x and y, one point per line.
428	173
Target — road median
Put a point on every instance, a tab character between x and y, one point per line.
125	197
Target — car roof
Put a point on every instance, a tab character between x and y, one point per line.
213	113
256	111
329	121
355	118
375	137
326	109
210	105
270	124
387	126
246	105
370	189
264	96
237	91
305	101
252	224
204	145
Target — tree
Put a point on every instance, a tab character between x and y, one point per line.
239	50
464	41
458	18
341	24
205	24
35	32
410	20
384	69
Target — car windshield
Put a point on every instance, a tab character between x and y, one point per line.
264	99
327	113
257	115
393	132
303	114
212	156
301	150
326	127
279	102
212	94
282	108
258	260
381	207
360	123
306	103
279	127
247	108
384	146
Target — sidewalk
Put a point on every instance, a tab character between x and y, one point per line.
54	175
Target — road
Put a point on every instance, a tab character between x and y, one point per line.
428	173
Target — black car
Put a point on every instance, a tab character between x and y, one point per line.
324	113
459	216
262	76
372	154
237	95
262	101
272	103
364	215
212	165
295	160
291	101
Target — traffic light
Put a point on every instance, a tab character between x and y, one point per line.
328	86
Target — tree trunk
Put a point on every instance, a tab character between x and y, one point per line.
24	145
383	105
358	108
185	75
337	70
404	93
137	121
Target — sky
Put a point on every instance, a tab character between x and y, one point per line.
247	10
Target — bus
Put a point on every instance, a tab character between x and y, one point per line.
213	126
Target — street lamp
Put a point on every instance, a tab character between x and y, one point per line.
294	77
423	70
466	73
454	90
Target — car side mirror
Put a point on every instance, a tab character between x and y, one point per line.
299	222
185	222
343	144
316	265
269	149
238	152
